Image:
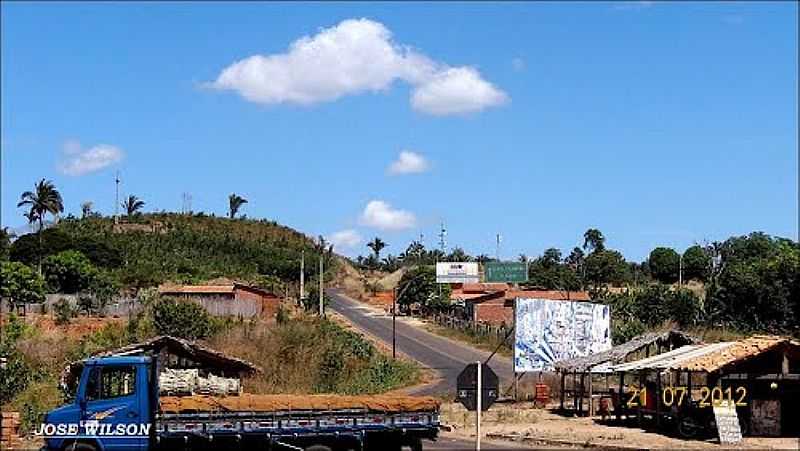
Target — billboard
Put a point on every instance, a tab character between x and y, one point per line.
515	272
547	331
457	272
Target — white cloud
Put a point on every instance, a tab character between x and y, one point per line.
355	56
345	239
77	161
409	162
381	215
457	90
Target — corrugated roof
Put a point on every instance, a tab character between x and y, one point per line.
191	289
619	353
708	358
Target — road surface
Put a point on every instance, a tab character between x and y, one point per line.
446	357
455	444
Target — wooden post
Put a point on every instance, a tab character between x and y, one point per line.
657	396
591	401
580	400
563	388
575	391
620	397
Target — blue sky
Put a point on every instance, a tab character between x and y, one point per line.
658	123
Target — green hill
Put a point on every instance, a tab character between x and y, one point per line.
159	247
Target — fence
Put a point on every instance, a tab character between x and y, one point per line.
126	307
464	325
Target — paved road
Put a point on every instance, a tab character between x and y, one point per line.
445	356
455	444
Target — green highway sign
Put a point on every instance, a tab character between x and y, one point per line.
506	272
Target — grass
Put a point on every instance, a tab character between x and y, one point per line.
485	342
309	355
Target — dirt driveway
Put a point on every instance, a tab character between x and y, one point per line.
542	428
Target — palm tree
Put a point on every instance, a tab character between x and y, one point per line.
377	246
132	205
44	199
235	202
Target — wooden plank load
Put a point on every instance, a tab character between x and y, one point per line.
9	431
273	403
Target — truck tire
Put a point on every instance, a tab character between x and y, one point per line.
318	448
80	447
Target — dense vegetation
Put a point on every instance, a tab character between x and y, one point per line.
180	248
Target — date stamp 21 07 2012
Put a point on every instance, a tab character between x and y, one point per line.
707	396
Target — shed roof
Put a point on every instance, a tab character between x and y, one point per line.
709	358
210	289
619	353
184	347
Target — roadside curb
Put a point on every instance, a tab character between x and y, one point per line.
557	442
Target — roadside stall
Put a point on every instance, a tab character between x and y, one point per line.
757	379
590	379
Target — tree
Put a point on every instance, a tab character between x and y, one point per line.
458	255
606	267
86	209
548	272
28	247
132	205
414	253
696	263
20	283
235	202
377	246
418	286
184	319
5	242
68	272
44	199
664	264
594	241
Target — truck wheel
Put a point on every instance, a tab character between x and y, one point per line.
318	448
416	445
80	447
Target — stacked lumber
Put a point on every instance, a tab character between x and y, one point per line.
272	403
9	430
215	385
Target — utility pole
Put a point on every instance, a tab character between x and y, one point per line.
302	275
478	397
680	270
321	297
497	249
116	204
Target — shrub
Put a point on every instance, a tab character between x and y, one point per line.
20	283
68	272
33	402
183	319
64	311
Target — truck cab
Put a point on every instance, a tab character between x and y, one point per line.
112	408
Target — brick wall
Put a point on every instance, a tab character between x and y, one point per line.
495	312
9	430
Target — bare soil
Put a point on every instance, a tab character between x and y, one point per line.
523	422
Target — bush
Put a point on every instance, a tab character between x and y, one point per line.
20	283
36	400
68	272
696	264
64	311
183	319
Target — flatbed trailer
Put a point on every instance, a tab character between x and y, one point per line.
117	406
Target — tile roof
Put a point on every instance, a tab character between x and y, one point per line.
708	358
619	353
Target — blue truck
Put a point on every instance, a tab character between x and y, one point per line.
116	407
